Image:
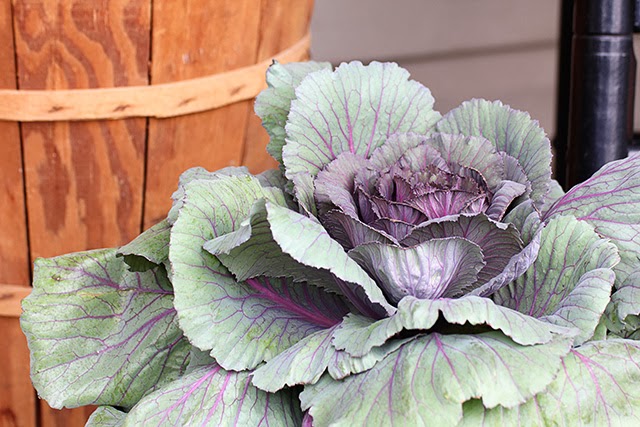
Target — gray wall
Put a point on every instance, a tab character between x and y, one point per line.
460	49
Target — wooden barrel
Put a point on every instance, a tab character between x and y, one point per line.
102	104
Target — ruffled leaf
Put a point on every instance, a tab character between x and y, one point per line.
433	269
597	385
357	335
351	232
397	145
526	219
211	304
353	109
498	242
472	152
581	307
302	363
212	396
627	297
512	131
275	178
426	381
570	282
505	193
251	251
308	243
514	172
305	362
335	184
610	202
556	192
343	364
148	250
471	310
272	104
98	333
199	173
515	268
106	416
625	305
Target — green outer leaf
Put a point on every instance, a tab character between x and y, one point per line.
211	304
302	363
584	306
199	173
343	364
148	250
106	416
211	396
307	242
272	104
523	329
512	131
305	362
355	108
597	385
626	300
526	219
570	281
556	192
251	251
357	335
610	202
426	381
98	333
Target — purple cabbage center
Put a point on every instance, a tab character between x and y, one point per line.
402	196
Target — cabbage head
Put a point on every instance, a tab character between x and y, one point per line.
399	268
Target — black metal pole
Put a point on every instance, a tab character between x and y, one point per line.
563	90
602	86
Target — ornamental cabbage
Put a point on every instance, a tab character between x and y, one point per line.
399	268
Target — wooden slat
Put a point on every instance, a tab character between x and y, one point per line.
192	38
14	260
17	397
84	180
11	297
160	100
282	22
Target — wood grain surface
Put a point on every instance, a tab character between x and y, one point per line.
159	100
17	397
83	179
192	38
11	297
282	23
